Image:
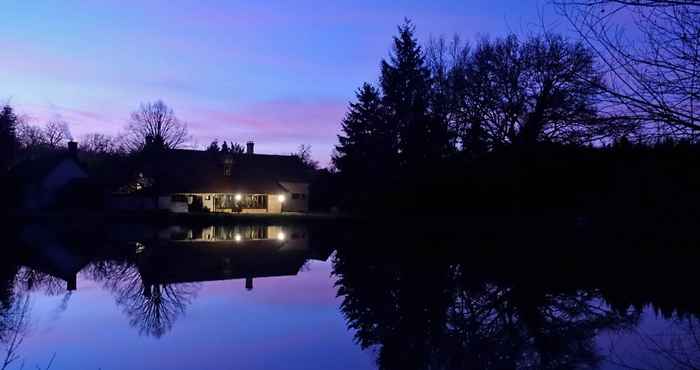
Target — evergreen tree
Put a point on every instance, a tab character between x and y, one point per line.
224	147
8	137
366	145
405	82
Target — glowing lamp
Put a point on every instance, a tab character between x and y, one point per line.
238	197
281	236
237	237
281	198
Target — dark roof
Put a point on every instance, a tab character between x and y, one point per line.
205	172
31	171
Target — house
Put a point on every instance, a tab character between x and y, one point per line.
202	181
43	179
222	252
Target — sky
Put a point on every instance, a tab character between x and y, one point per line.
278	73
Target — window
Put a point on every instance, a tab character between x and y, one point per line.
258	201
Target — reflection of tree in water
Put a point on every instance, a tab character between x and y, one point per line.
676	346
152	309
31	280
436	315
14	315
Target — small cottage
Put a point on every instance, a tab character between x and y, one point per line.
202	181
43	179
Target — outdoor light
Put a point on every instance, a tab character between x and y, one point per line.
237	237
281	198
281	236
238	197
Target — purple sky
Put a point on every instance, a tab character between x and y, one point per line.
278	73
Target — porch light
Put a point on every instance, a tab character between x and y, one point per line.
281	236
281	198
238	197
237	237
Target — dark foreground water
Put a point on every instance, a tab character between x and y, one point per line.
330	297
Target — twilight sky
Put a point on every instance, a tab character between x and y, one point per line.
278	73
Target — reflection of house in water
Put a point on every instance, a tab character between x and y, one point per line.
224	252
48	254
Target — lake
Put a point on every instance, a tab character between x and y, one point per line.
294	296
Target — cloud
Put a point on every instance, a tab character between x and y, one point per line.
278	126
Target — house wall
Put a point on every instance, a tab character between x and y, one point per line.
44	194
166	202
273	203
301	204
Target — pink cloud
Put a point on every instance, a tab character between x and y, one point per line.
276	126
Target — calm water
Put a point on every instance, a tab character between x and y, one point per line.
299	297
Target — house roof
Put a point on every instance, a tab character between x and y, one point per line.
32	171
206	172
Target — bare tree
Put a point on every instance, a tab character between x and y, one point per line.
29	136
99	144
157	122
652	64
13	330
56	133
304	155
521	92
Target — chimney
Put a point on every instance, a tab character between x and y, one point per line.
249	147
73	149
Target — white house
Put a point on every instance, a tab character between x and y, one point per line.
193	180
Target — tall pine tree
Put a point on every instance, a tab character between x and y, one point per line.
405	83
367	147
8	137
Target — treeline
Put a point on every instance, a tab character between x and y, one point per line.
506	124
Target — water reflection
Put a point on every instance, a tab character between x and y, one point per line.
155	273
420	302
500	308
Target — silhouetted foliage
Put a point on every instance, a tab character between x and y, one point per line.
8	138
155	122
648	50
423	310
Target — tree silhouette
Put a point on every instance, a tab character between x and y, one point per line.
427	312
649	52
367	145
157	123
405	84
152	309
8	137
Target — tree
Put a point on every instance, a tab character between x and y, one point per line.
405	83
543	89
30	137
97	143
156	122
651	62
214	146
367	148
224	147
8	137
367	143
56	133
304	155
236	148
447	62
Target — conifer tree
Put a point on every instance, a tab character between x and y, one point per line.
405	83
365	146
8	137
